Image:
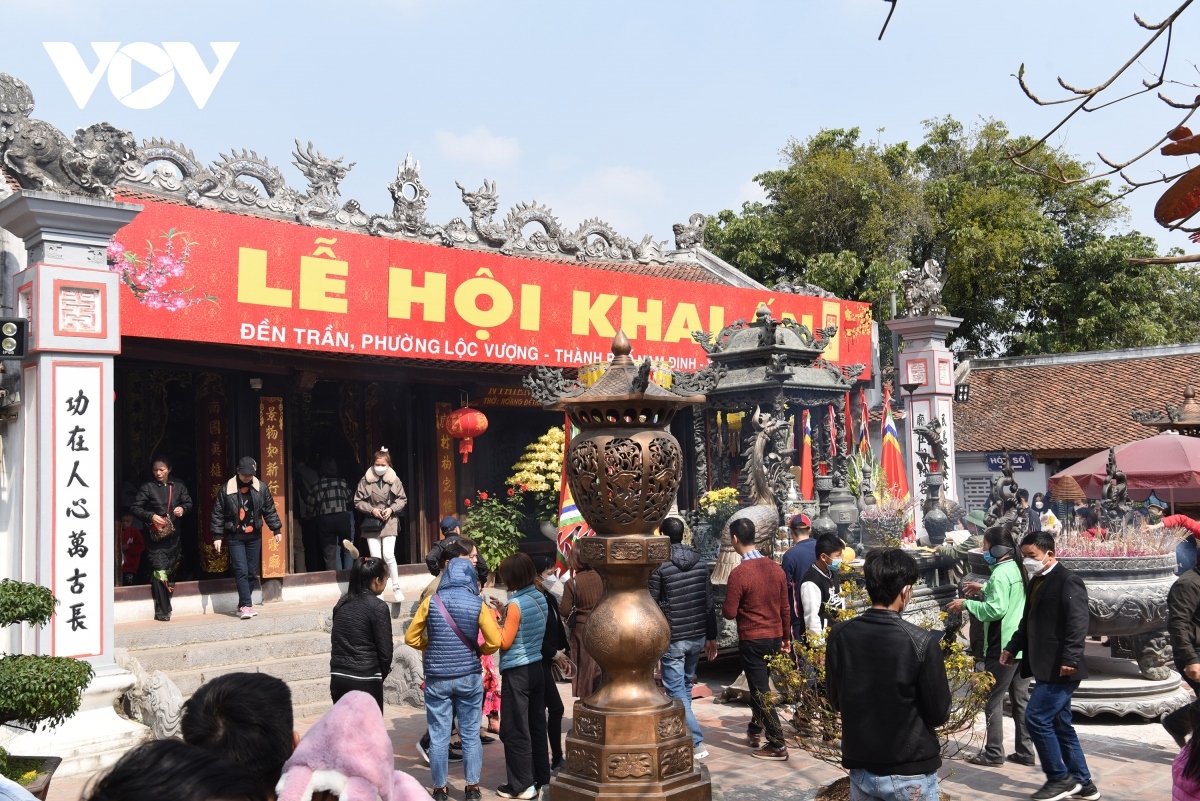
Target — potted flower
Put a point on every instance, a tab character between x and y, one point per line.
708	521
493	523
35	689
539	473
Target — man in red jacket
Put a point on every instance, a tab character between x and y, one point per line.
756	597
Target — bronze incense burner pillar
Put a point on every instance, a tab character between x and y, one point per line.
624	467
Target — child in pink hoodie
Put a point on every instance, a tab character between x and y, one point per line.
347	755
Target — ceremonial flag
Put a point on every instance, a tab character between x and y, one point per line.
806	464
570	521
849	427
864	438
891	460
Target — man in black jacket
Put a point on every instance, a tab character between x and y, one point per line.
1051	635
887	678
684	593
1183	622
239	511
450	531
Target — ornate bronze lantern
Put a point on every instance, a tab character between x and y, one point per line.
628	740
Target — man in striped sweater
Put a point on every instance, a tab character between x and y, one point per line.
757	598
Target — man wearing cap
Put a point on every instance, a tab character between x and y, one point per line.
958	552
241	507
449	531
796	562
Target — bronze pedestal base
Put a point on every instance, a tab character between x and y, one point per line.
630	754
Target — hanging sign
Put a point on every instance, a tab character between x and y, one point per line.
274	475
1020	460
208	276
79	515
447	500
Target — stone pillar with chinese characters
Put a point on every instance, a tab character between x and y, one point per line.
925	360
63	436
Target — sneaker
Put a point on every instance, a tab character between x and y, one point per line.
473	793
1056	789
1021	760
771	753
245	613
556	764
1088	792
441	794
253	611
397	594
755	740
486	739
424	754
983	761
700	752
454	756
529	793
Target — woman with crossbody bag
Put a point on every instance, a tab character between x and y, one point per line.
446	627
580	595
160	504
522	685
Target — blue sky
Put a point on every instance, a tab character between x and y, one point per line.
637	112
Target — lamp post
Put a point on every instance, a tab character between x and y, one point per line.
627	740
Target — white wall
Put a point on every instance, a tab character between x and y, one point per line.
973	464
12	260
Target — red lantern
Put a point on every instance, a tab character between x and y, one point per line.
465	424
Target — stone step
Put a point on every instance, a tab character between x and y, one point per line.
313	710
219	628
296	668
310	691
248	651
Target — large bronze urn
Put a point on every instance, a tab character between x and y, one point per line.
624	467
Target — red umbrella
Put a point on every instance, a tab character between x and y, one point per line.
1168	463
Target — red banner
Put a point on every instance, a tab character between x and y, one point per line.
208	276
274	475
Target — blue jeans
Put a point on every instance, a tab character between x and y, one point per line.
443	698
869	787
679	673
1048	721
244	555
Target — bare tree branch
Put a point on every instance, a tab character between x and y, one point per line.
889	19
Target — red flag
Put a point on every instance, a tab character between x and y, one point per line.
864	439
806	463
849	427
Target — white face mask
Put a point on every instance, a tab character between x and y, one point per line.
1038	505
1033	566
380	469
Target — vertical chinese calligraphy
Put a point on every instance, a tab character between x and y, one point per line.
81	555
212	441
274	475
447	500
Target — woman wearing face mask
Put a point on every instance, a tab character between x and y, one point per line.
380	496
1037	508
999	606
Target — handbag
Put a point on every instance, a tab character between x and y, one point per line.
161	532
370	525
445	613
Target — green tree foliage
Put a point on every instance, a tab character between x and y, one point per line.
36	688
1031	264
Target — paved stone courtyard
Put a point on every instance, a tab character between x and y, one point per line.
1128	760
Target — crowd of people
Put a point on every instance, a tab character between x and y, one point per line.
492	667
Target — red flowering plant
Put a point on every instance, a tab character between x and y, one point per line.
149	274
493	523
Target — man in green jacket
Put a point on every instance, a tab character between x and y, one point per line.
999	608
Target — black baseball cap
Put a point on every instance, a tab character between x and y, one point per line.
448	523
247	466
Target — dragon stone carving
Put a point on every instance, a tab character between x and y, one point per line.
767	468
547	385
41	157
940	512
923	290
691	234
801	288
102	157
1115	503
